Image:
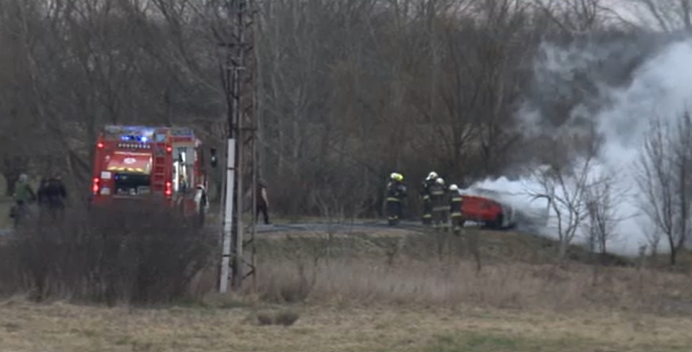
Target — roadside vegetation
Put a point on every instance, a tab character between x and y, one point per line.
381	291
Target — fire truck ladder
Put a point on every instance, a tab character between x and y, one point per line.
160	171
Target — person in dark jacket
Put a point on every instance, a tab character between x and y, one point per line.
455	203
262	202
52	196
41	198
396	192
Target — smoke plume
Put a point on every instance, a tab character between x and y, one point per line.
614	86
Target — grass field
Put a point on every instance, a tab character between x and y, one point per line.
387	290
63	327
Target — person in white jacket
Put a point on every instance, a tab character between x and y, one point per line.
201	199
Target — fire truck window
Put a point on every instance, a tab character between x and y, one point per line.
131	184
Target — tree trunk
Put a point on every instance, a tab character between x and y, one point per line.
673	251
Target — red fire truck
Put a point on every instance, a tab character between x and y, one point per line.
141	162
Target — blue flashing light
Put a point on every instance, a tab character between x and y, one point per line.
128	138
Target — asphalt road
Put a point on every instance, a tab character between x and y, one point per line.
334	227
345	227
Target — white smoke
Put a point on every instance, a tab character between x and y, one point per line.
660	86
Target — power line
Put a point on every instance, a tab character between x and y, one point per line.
236	37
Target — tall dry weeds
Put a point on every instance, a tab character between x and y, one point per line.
362	274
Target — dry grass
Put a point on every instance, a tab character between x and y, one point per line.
411	271
507	246
504	286
60	327
388	293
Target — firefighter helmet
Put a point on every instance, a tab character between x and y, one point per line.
440	181
432	175
453	188
396	176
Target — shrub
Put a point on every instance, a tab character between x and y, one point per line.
285	317
120	253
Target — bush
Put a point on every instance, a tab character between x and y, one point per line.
124	253
285	317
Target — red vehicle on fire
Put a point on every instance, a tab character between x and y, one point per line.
484	207
141	162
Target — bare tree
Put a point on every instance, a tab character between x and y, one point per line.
664	180
566	185
564	191
575	17
653	237
682	170
602	198
350	89
668	16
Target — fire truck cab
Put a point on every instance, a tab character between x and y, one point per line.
144	163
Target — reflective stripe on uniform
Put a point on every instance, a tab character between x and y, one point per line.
426	197
456	199
456	214
426	216
392	199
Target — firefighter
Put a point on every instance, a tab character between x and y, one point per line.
396	192
455	202
440	204
52	195
425	193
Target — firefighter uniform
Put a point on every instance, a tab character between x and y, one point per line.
455	202
425	194
396	192
440	204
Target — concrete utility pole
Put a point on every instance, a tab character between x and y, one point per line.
235	35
